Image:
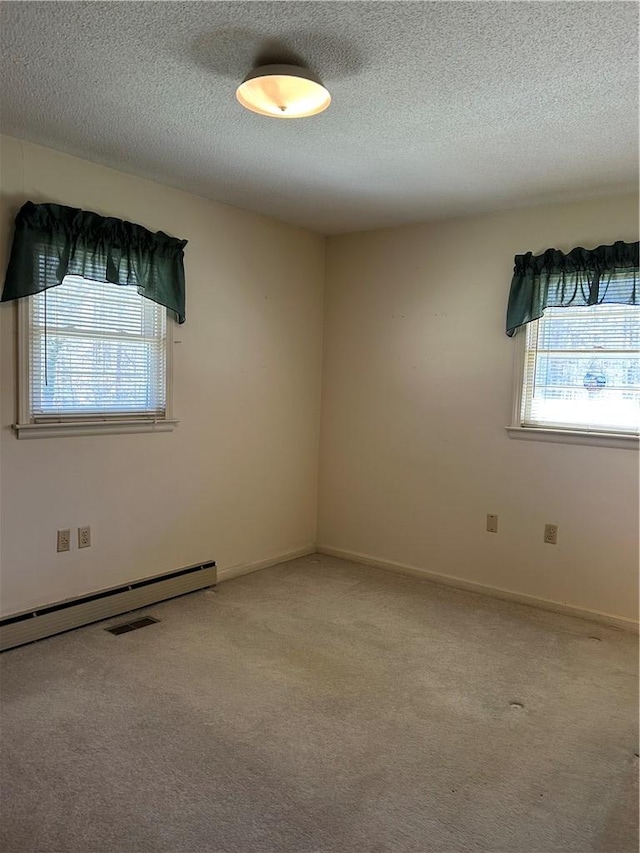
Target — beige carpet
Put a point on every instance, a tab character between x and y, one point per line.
324	706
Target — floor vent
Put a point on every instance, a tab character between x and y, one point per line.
62	616
132	626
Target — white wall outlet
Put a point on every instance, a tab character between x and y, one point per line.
492	523
64	540
84	537
551	534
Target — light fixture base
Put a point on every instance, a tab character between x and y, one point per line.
283	91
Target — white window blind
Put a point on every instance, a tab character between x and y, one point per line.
582	369
96	350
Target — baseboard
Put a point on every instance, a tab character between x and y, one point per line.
246	568
57	617
483	589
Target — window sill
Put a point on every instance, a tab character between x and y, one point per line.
113	427
569	436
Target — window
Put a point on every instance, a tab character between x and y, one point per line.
581	371
93	294
94	358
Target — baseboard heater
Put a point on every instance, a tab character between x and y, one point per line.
52	619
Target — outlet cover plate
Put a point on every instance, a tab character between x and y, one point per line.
492	523
84	537
63	540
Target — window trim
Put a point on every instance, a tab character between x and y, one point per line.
104	424
560	436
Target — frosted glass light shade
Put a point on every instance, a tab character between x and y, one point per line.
283	91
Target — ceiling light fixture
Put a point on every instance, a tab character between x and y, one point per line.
283	91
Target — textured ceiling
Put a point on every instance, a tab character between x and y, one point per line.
439	108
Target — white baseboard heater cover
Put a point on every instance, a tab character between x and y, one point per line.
52	619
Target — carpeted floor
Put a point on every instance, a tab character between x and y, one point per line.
324	706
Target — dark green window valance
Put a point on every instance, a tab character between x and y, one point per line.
608	274
52	241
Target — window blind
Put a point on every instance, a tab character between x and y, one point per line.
582	369
96	349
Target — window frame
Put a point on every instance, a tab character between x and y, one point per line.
578	435
96	424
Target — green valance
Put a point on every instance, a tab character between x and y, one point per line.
608	274
52	241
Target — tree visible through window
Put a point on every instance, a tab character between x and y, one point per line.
582	369
96	350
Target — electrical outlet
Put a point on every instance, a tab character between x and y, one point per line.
84	537
492	523
551	534
64	540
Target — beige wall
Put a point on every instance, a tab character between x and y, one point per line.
417	391
236	481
